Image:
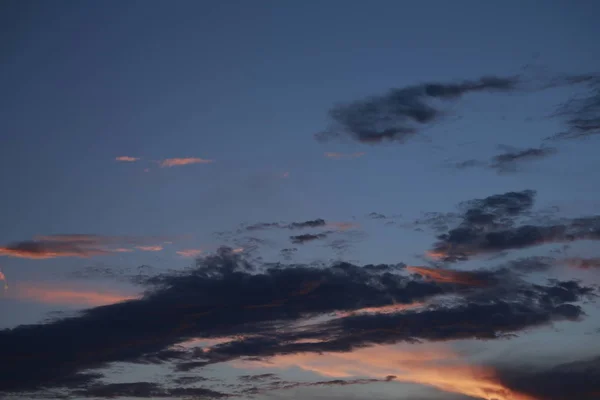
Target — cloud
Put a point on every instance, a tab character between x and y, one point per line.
150	248
313	223
267	310
343	156
175	162
144	390
435	366
492	225
581	115
400	113
307	237
76	245
575	380
450	276
127	159
3	279
190	253
64	295
510	160
582	263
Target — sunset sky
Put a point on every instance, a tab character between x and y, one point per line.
306	200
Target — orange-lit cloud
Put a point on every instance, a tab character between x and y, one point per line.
434	366
189	252
55	294
387	309
341	156
3	279
448	276
238	250
174	162
77	245
150	248
127	159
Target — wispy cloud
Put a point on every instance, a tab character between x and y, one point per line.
150	248
343	156
175	162
65	295
581	115
77	245
510	160
435	366
127	159
190	253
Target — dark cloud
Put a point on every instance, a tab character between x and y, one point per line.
484	316
308	237
225	295
401	113
575	380
581	115
315	223
286	385
509	161
493	225
375	215
145	390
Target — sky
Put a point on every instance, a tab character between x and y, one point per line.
299	200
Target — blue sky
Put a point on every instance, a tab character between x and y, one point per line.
246	86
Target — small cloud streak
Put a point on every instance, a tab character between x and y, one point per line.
448	276
48	294
76	245
189	253
435	366
175	162
150	248
343	156
127	159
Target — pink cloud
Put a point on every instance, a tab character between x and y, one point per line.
64	295
150	248
174	162
127	159
190	253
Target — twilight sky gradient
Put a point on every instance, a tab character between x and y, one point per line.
300	200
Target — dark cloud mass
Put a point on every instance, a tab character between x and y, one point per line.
575	380
494	224
226	296
401	113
